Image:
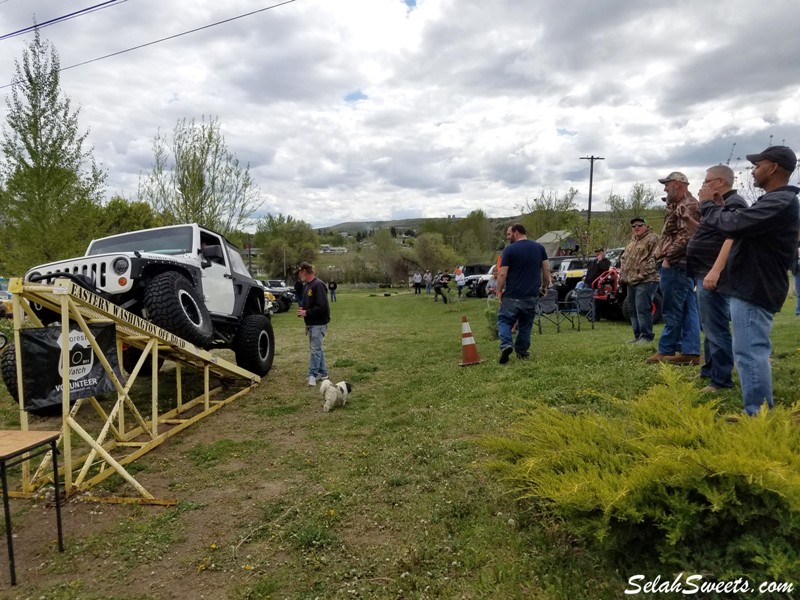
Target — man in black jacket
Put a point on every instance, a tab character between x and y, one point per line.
706	256
765	241
316	312
600	265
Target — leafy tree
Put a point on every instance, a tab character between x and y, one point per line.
52	186
476	236
548	212
640	200
120	215
284	242
431	252
197	179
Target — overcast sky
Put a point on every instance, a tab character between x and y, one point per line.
355	110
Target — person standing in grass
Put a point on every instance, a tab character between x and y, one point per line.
332	287
639	271
428	279
706	256
796	273
681	321
764	248
417	281
523	275
316	313
461	281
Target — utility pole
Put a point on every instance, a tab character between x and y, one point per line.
591	160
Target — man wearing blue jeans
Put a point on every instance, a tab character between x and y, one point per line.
524	272
638	271
316	312
764	248
679	309
706	256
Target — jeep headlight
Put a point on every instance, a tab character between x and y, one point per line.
120	265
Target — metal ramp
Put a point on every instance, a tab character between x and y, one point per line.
99	441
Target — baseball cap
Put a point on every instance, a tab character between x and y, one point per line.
783	156
674	176
638	220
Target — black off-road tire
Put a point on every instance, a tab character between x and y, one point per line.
130	356
175	305
284	304
626	309
254	344
8	367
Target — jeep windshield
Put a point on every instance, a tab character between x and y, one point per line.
173	240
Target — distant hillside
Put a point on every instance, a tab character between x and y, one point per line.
415	224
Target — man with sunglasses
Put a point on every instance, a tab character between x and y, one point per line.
681	322
706	256
638	271
764	246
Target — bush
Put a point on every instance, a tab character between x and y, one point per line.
667	480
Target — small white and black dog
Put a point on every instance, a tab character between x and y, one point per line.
334	394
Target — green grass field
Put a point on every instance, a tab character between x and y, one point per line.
384	498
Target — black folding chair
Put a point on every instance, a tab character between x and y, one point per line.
579	306
547	309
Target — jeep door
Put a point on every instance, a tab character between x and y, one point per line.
217	281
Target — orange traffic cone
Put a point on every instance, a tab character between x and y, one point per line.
469	351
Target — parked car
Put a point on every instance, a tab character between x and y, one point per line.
476	284
283	294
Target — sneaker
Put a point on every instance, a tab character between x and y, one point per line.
642	341
710	389
684	359
312	381
657	357
523	356
633	341
504	354
322	378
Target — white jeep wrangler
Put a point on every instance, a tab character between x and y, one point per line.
186	279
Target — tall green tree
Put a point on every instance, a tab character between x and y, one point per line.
640	200
120	215
283	242
476	237
549	211
52	187
195	178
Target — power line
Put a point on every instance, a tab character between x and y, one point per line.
66	17
171	37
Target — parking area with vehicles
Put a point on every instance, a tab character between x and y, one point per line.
282	293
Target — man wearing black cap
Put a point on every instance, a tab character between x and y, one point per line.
638	270
681	321
596	268
765	242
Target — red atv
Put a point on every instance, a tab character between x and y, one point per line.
611	298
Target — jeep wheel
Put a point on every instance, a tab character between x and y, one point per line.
254	344
131	355
173	303
8	367
284	304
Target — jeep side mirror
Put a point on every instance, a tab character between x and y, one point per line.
212	254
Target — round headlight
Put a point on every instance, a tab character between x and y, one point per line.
120	265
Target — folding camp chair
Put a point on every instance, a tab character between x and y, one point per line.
579	306
547	309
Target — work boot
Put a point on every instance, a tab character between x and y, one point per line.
658	357
684	359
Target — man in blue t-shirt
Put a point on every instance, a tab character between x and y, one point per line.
524	272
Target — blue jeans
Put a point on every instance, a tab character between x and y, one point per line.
797	293
640	303
752	325
681	322
715	318
317	366
333	295
520	311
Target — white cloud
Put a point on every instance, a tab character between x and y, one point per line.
372	109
